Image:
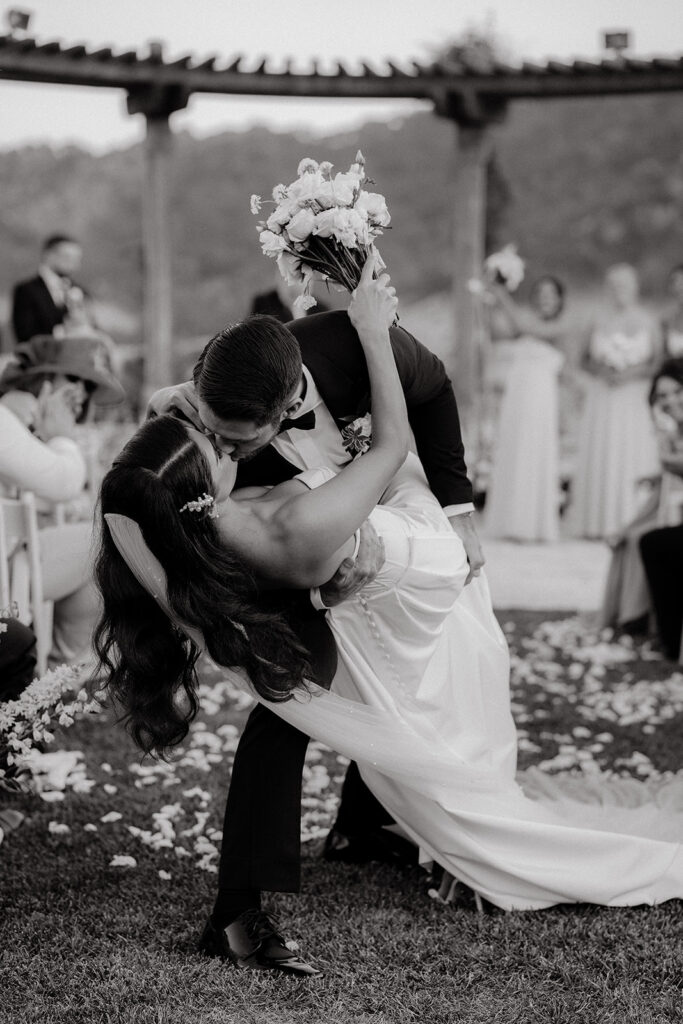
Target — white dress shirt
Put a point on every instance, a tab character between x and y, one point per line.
323	446
54	284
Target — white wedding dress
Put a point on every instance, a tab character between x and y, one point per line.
421	701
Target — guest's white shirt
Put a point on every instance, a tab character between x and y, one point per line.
322	446
54	284
54	470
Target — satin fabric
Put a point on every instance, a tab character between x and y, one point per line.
421	701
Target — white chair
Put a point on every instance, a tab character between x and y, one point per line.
21	576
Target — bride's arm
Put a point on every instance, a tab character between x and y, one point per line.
311	529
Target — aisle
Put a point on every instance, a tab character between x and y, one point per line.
566	576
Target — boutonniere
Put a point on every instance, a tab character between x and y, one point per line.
357	437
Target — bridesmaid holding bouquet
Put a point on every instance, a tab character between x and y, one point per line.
617	447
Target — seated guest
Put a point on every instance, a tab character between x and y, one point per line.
17	670
662	549
672	321
52	302
38	452
626	603
17	658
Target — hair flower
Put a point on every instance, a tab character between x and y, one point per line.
199	504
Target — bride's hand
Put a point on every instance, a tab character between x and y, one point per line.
373	304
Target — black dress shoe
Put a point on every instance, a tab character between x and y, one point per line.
380	845
252	942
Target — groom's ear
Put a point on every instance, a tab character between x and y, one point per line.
293	408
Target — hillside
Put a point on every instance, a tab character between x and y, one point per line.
589	182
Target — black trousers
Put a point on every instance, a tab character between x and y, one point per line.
17	658
662	554
261	846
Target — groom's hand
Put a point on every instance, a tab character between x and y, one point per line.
464	527
181	398
354	573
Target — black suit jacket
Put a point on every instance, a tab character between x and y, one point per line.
333	354
34	310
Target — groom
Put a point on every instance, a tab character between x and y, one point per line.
280	399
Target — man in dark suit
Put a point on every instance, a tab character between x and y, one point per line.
275	430
52	297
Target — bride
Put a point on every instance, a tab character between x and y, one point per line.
421	696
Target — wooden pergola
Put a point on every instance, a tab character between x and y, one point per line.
470	95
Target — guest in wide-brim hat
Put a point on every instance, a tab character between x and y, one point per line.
74	357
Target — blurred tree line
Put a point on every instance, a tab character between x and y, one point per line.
577	184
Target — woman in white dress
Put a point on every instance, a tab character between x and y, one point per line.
617	446
522	500
672	321
421	697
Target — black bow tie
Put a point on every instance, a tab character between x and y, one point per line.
305	422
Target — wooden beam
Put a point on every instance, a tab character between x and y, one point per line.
23	60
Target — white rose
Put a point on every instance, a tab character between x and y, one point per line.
301	225
350	228
344	186
356	221
288	266
325	222
307	166
325	168
375	206
324	196
281	215
271	243
304	302
279	193
306	187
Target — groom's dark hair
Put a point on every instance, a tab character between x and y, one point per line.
249	370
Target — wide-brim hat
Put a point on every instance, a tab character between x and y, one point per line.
82	356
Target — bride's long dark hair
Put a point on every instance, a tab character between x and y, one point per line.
149	661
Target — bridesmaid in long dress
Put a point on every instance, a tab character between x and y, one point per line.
672	321
617	447
523	495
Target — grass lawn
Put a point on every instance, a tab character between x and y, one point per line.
85	941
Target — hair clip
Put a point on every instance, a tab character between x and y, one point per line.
199	504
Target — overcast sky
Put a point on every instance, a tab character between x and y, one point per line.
300	29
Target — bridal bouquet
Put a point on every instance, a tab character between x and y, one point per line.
505	267
323	226
619	351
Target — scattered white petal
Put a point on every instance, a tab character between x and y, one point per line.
123	861
57	828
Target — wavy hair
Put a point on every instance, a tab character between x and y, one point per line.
672	368
150	662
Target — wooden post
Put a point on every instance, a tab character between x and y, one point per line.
157	316
468	256
472	114
157	105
